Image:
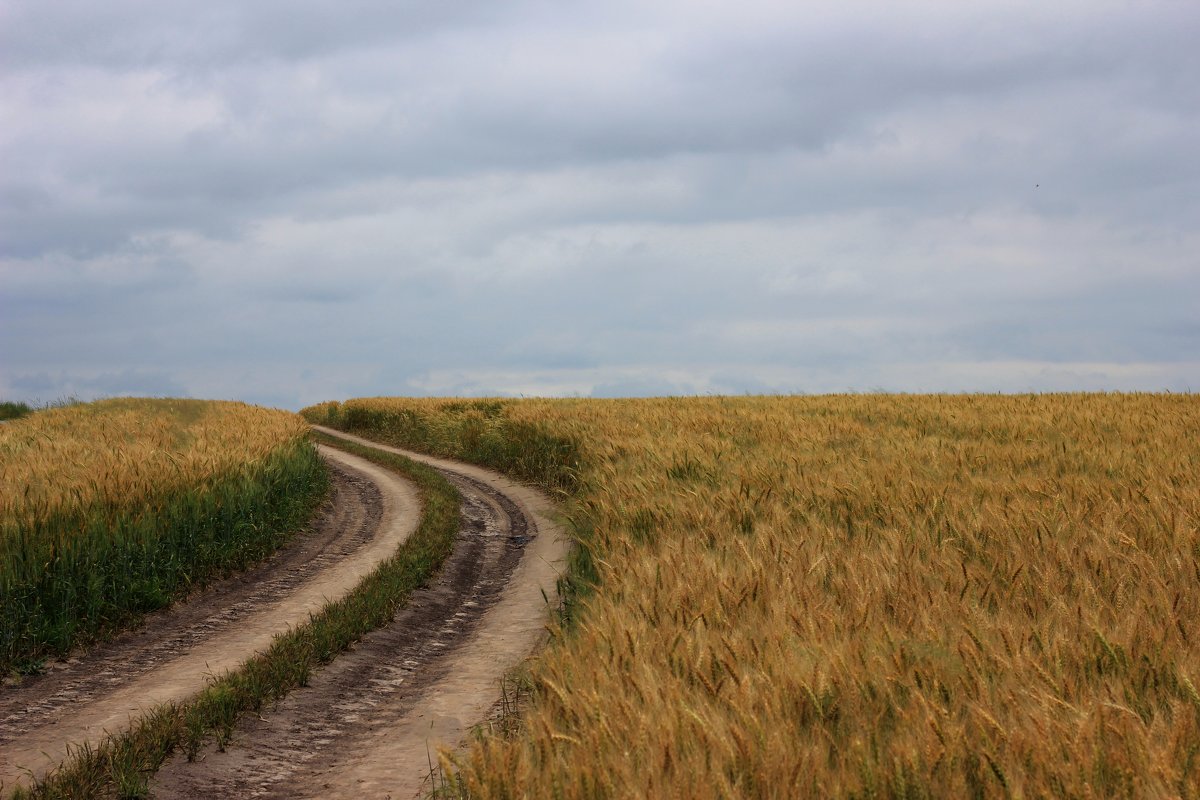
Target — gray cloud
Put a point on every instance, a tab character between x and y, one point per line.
288	203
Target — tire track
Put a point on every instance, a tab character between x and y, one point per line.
368	724
171	656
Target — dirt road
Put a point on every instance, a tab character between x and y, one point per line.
365	724
371	512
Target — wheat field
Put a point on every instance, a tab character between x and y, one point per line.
118	451
113	508
853	596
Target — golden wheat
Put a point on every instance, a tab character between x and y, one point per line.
121	450
872	596
111	509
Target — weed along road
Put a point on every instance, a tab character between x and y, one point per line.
368	721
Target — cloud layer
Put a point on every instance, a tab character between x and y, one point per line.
286	204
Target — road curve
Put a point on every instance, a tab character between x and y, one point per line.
369	724
172	656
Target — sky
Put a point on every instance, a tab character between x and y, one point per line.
287	202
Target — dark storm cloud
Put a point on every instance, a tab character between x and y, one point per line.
288	202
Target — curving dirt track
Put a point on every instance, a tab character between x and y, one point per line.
367	723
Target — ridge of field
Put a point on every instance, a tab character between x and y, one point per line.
853	596
115	508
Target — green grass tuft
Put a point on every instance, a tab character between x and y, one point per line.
11	410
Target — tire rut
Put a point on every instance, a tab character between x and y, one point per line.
343	524
364	693
368	723
173	654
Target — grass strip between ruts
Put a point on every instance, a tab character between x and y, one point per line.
123	764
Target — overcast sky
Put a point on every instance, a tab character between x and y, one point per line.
289	202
